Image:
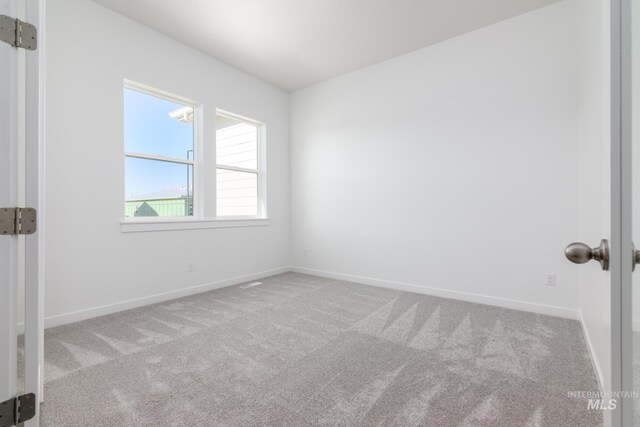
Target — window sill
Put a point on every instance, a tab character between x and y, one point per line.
140	226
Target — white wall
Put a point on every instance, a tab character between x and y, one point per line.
453	167
594	125
89	262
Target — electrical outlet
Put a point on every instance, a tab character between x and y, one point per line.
190	265
550	279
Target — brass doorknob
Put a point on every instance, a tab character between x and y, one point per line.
580	253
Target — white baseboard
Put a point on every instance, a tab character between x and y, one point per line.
594	358
80	315
446	293
76	316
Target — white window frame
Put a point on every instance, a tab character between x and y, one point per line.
259	171
203	217
194	163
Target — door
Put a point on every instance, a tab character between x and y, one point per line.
20	147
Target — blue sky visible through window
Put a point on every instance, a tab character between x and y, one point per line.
148	129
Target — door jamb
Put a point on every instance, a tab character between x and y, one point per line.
621	136
34	192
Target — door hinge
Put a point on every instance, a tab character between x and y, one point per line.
17	410
18	33
14	221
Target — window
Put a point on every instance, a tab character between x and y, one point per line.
159	143
167	176
237	170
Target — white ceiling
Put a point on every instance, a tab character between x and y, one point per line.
295	43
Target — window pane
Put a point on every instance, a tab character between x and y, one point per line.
156	126
236	143
155	188
237	193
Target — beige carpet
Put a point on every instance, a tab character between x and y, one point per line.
301	350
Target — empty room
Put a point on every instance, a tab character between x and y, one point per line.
319	212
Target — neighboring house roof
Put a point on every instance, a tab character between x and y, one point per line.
145	210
